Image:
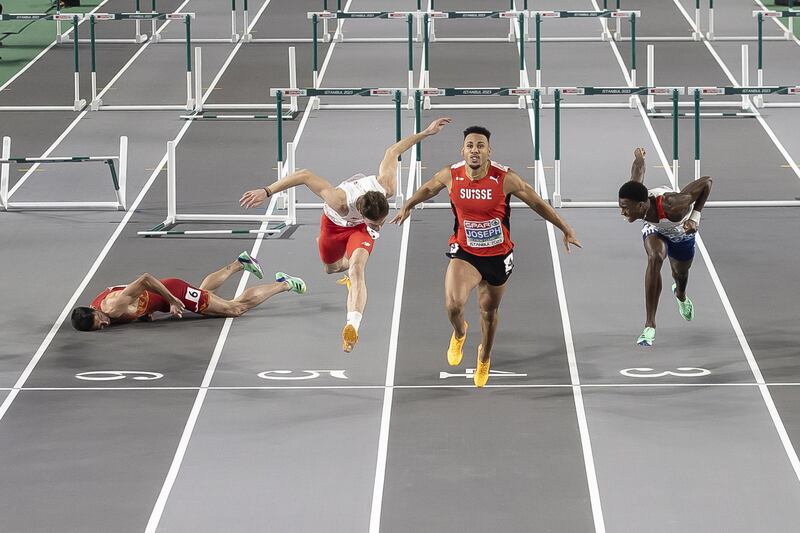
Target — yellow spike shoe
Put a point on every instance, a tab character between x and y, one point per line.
349	338
456	349
344	280
481	376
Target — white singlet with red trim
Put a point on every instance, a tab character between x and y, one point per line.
354	188
671	230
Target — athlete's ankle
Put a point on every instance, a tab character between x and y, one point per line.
354	319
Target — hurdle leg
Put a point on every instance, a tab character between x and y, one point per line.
710	32
78	103
154	35
292	78
675	150
651	74
234	35
189	100
171	188
759	99
140	38
4	169
123	172
698	34
247	36
95	101
617	26
696	134
745	75
198	80
557	160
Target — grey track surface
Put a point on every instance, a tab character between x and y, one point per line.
671	452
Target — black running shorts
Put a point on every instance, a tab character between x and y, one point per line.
494	269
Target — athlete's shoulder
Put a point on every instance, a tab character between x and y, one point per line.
499	166
460	164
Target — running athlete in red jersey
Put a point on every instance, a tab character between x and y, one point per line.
353	214
481	250
147	295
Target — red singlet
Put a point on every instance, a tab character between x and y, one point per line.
482	211
195	300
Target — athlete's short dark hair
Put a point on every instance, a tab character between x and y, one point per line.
633	190
480	130
373	205
83	318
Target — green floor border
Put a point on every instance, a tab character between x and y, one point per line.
24	40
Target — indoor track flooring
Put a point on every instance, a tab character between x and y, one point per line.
262	424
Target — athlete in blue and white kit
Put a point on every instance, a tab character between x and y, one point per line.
671	220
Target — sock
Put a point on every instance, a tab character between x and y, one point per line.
354	318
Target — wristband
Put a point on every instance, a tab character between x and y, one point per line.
695	217
266	190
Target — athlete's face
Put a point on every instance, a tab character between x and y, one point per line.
101	320
476	150
632	210
375	224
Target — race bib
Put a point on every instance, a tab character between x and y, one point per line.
193	295
483	234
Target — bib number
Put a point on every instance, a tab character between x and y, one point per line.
483	234
193	295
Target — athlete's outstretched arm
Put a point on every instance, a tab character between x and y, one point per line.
696	192
514	184
426	191
335	198
148	282
638	167
387	173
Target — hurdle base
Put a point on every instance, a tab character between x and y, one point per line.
96	104
556	200
79	105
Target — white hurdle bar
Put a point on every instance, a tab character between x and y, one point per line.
119	179
174	217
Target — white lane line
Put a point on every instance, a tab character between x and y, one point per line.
83	113
191	422
763	388
43	52
388	395
577	394
379	387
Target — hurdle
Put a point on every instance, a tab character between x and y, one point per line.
532	94
340	16
511	14
395	15
699	92
518	16
743	104
78	103
118	178
760	15
138	38
234	38
603	15
316	93
200	106
275	223
97	103
633	92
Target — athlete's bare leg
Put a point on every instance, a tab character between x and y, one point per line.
489	297
339	266
656	253
356	271
250	298
215	280
680	273
356	282
460	279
